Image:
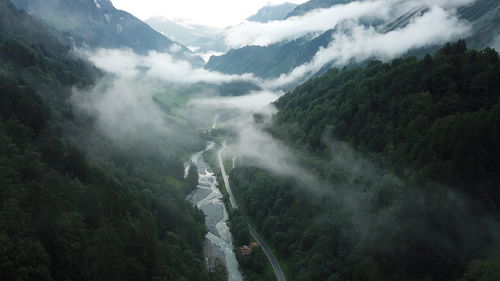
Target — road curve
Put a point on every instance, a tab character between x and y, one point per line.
274	262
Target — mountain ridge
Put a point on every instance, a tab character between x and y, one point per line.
199	37
315	4
273	12
484	16
97	23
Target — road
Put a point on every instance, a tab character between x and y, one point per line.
234	205
274	262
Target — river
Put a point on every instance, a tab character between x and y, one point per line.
218	245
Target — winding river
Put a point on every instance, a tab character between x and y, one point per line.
218	246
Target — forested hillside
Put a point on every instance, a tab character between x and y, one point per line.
437	118
406	159
98	24
63	217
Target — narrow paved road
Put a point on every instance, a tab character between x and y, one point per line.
274	262
234	205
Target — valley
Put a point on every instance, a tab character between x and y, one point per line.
322	140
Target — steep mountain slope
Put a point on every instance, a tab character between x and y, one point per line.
270	61
62	216
22	26
273	12
203	38
485	14
97	23
315	4
405	159
403	111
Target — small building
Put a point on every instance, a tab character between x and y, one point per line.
247	250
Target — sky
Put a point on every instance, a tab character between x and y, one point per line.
220	13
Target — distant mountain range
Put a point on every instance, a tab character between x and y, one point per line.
276	59
313	5
200	37
273	12
97	23
208	40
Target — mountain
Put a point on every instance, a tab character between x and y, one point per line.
273	12
14	23
404	158
275	59
269	61
451	90
97	23
315	4
485	16
201	38
67	214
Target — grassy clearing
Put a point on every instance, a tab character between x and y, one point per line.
171	181
172	103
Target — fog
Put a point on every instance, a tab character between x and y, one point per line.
378	12
126	102
126	106
162	67
353	42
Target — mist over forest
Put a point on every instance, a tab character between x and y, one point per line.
335	140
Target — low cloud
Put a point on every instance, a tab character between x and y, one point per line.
250	103
356	43
123	105
126	103
379	12
255	33
123	101
159	66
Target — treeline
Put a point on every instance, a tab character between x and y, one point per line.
429	128
436	118
62	216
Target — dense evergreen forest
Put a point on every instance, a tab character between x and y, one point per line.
255	266
406	155
400	166
437	118
63	216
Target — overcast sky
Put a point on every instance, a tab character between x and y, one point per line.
214	12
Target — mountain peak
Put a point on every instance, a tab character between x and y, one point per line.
98	24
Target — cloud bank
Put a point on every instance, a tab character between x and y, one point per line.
123	102
159	66
356	43
379	12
